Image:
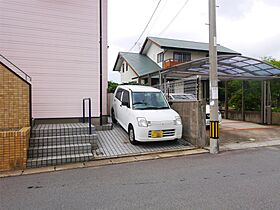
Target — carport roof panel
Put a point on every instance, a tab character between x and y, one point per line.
229	66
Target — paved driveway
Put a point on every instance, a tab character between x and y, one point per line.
238	131
115	143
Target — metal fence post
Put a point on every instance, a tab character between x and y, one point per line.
83	110
89	115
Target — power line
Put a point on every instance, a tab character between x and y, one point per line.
157	17
173	19
146	26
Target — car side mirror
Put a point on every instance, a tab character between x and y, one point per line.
170	103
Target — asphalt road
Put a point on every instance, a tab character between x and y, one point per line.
245	179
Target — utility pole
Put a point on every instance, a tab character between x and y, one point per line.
213	84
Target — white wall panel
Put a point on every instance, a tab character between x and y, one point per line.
57	44
127	76
153	51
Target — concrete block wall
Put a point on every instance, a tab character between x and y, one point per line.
14	100
276	118
13	149
253	116
250	116
193	115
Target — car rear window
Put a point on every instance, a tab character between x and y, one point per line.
119	94
125	97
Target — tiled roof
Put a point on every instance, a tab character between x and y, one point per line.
190	45
141	64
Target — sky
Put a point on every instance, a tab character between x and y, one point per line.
250	27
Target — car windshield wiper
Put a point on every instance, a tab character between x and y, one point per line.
153	107
147	107
162	107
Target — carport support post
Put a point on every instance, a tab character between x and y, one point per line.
199	87
214	120
149	80
268	111
160	80
165	83
226	99
263	103
266	103
243	102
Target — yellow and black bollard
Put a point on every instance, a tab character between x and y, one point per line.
214	129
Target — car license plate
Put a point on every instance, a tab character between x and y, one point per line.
157	134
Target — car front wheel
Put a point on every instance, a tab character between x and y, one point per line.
131	135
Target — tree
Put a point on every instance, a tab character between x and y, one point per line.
112	86
271	60
252	91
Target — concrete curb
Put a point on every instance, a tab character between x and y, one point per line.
247	145
104	162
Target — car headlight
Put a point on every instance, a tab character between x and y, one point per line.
142	122
178	121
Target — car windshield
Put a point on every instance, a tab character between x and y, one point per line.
148	100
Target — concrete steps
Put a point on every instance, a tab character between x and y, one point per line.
61	140
44	130
58	160
54	144
58	150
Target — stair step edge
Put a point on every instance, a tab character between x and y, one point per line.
53	137
60	157
61	146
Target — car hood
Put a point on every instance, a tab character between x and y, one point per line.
156	115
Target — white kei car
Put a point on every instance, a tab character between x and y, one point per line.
145	114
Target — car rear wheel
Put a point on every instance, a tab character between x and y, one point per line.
113	117
131	135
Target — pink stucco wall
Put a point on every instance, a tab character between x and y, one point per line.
56	42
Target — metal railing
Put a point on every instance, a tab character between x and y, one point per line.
89	112
18	71
183	86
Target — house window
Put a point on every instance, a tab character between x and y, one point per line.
182	56
160	57
126	67
123	67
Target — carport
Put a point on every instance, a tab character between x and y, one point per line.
230	67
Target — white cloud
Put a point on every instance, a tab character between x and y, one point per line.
235	9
